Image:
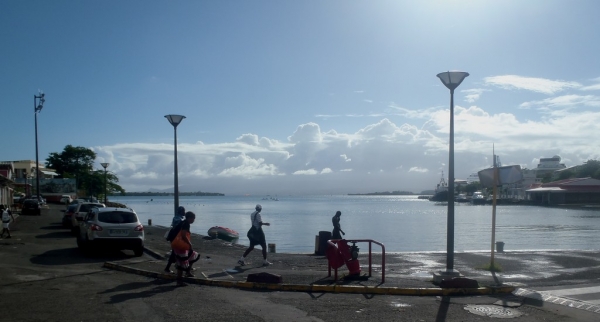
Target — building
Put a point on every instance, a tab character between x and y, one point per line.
575	191
22	177
6	183
548	166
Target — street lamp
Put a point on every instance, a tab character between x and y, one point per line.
37	108
451	80
104	165
175	120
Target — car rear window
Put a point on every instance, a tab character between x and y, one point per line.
117	217
87	207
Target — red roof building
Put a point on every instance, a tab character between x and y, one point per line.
575	191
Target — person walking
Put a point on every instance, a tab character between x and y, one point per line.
335	234
172	233
256	235
185	256
6	217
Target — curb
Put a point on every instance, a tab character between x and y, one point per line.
320	288
153	253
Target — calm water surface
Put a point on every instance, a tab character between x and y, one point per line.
401	223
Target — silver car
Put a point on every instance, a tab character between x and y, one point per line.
111	228
82	209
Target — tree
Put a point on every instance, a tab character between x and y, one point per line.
78	162
591	168
566	174
472	187
73	162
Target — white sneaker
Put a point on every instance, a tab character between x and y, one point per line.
266	263
241	263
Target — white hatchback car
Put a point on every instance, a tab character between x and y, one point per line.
111	228
81	210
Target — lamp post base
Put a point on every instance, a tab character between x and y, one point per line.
447	274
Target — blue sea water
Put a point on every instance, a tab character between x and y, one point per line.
401	223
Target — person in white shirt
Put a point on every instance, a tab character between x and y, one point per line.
6	217
256	236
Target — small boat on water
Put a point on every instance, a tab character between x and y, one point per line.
462	197
478	198
224	233
441	191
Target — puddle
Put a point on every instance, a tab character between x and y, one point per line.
423	274
396	304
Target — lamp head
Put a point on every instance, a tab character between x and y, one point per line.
451	79
174	119
41	102
105	165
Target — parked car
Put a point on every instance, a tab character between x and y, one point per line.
65	199
31	207
41	200
111	228
81	210
66	220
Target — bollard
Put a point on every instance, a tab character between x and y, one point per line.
316	244
149	222
271	248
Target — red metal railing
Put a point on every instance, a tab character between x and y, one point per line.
370	241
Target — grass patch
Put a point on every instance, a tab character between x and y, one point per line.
489	267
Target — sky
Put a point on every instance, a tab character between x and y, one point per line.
300	97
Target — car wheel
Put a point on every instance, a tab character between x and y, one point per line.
139	251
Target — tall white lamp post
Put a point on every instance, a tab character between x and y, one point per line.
105	165
451	80
175	120
37	108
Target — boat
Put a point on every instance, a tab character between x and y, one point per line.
441	191
462	197
223	233
478	198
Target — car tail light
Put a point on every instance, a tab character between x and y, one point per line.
139	228
95	228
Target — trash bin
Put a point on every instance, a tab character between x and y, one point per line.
324	236
500	247
316	244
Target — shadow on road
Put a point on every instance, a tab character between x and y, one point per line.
161	286
67	256
57	234
443	310
55	226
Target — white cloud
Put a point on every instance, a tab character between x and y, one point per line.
379	156
473	94
309	172
594	87
565	101
539	85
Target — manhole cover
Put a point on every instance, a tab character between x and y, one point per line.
493	311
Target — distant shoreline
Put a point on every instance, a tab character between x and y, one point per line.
161	194
386	193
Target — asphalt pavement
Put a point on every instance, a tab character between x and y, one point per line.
44	277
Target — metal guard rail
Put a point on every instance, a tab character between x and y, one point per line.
370	241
